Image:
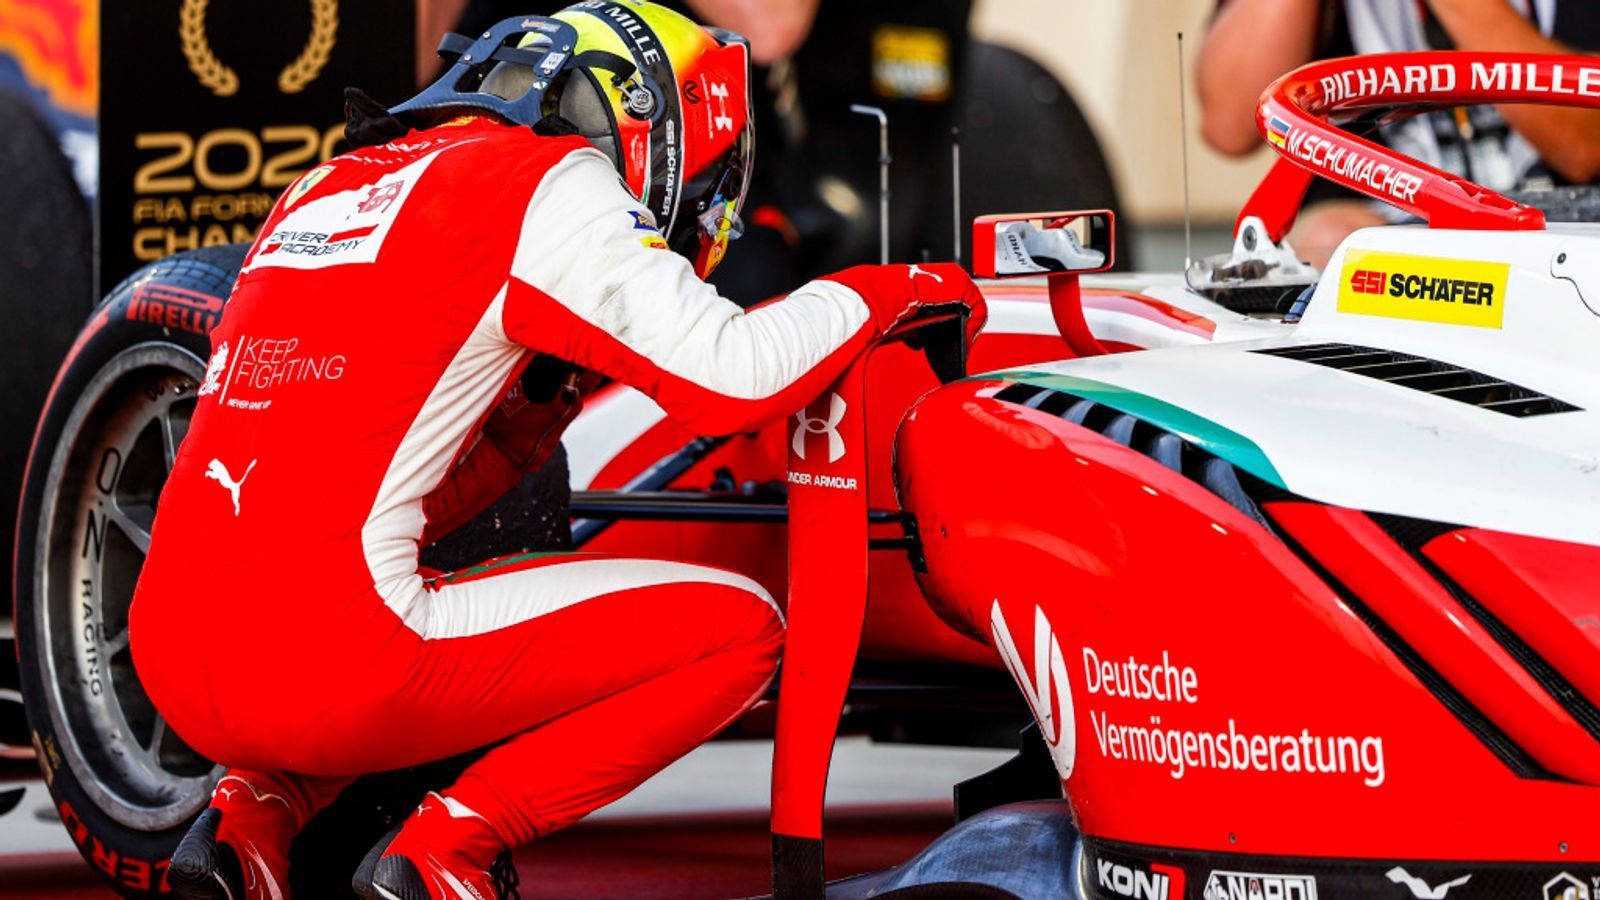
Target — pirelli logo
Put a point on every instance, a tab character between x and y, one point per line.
1424	288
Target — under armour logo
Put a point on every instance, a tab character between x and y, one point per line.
218	472
722	120
829	425
918	270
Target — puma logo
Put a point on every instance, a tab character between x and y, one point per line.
226	790
219	473
918	270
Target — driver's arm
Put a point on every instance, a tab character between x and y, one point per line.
517	436
1568	139
591	286
1249	44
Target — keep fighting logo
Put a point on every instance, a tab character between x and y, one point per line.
214	370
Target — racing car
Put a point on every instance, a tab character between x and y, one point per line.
199	165
126	787
1303	613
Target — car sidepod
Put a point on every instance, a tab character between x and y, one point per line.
1332	616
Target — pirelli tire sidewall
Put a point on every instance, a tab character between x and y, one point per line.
132	860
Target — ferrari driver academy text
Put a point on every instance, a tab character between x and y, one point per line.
1182	749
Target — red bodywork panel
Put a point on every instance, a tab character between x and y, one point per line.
900	626
1181	627
827	478
1543	590
1362	557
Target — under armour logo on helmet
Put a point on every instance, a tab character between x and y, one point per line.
721	120
829	425
918	270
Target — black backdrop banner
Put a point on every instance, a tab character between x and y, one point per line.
210	108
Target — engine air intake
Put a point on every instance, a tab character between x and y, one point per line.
1430	376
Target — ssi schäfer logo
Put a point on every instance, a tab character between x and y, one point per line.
1369	281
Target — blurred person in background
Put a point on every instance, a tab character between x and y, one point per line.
1250	43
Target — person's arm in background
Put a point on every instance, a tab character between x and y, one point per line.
1249	44
775	28
1568	139
435	19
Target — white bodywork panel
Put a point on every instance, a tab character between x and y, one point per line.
619	415
1343	438
1355	441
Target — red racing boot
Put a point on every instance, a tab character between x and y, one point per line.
443	851
239	847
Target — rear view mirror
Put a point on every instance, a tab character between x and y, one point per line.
1014	245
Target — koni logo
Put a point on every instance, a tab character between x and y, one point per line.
1155	882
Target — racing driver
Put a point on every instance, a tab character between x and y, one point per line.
558	194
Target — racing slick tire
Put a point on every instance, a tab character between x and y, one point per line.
45	290
125	786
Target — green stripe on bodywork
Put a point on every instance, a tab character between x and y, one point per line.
1218	440
501	563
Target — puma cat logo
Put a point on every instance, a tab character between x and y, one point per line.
219	473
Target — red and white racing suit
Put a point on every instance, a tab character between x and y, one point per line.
281	622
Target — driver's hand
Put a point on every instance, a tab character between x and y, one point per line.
895	292
525	432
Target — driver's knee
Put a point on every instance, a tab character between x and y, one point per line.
743	617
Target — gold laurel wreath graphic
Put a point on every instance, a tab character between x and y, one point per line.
216	77
308	65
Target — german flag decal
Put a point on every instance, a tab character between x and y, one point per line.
1277	132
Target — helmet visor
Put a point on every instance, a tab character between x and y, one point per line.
717	221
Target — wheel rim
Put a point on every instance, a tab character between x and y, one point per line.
99	503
